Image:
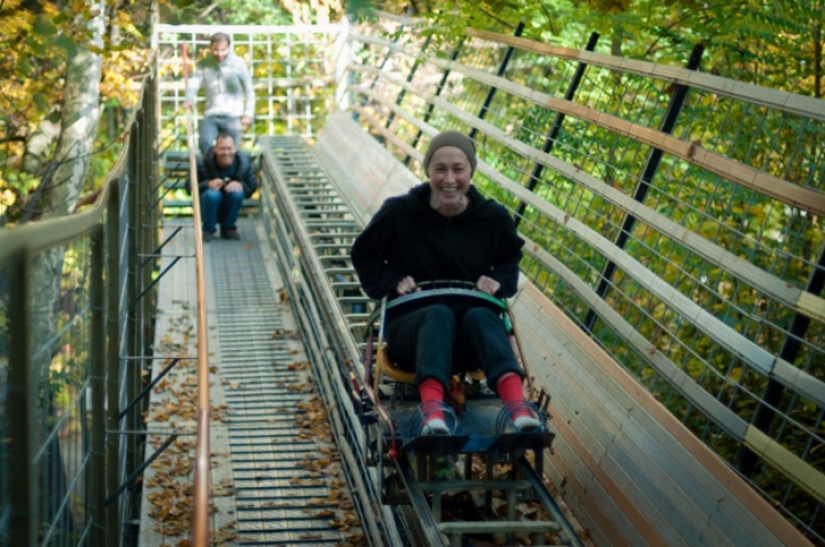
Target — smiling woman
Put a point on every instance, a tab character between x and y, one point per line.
446	230
452	157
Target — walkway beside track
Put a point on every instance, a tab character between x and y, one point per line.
275	478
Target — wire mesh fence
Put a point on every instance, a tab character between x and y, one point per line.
691	275
61	367
58	349
291	69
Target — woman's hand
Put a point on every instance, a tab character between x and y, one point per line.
488	285
407	285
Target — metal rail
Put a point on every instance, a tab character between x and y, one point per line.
289	165
200	517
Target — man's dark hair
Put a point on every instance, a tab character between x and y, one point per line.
225	135
220	37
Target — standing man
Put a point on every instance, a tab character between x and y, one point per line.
225	178
230	99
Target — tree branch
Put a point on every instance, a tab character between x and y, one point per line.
496	18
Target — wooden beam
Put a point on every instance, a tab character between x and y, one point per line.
719	469
783	101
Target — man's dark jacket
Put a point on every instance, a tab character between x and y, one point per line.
408	237
240	170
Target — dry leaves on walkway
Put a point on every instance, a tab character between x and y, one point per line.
324	467
169	489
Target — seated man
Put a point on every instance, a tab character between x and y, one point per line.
225	178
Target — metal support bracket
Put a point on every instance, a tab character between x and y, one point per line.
654	158
163	195
417	63
130	480
501	70
155	281
431	107
162	245
148	388
555	129
167	177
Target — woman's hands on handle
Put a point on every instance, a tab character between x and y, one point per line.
407	285
485	284
488	285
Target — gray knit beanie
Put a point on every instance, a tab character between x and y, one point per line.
452	138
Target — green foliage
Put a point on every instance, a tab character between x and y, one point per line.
38	39
224	12
772	43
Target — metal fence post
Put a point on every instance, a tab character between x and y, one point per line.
401	94
674	108
132	290
98	410
501	70
428	114
553	134
112	357
141	221
148	221
152	217
766	411
23	483
381	67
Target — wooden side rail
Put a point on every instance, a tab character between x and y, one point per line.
631	471
364	184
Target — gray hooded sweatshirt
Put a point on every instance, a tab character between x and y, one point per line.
228	86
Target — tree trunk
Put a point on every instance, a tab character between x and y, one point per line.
61	188
81	114
37	147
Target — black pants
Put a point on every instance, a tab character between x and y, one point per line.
436	340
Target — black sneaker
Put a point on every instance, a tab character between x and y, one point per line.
230	234
208	236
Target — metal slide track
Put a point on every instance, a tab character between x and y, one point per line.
312	230
298	217
277	499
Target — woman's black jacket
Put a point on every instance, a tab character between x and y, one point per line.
408	237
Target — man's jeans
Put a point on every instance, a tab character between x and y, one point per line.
219	206
212	125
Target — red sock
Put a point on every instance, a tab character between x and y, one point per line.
510	391
432	395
